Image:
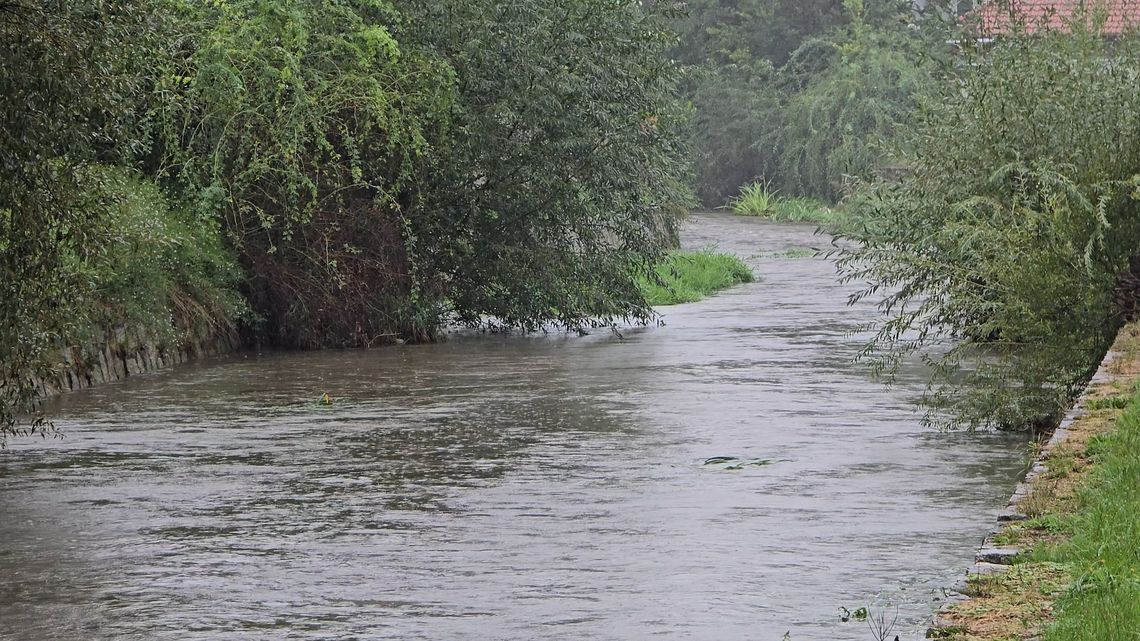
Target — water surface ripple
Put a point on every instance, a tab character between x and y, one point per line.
509	488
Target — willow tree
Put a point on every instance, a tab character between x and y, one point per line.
1006	255
563	175
380	166
844	103
303	126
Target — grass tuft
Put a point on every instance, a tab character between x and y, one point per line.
760	200
756	199
686	277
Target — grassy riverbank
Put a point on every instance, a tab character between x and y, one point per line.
1078	577
686	277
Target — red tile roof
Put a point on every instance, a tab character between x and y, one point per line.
998	16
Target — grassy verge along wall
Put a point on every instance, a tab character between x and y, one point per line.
1064	562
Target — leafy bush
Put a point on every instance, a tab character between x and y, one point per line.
302	125
564	175
838	119
159	270
802	95
999	253
806	210
731	107
67	99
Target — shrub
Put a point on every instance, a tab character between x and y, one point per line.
565	174
68	98
998	253
302	126
838	119
803	94
160	270
731	110
759	199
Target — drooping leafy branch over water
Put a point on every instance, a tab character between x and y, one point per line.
1006	255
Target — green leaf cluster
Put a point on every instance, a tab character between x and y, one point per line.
86	243
562	179
304	126
1005	255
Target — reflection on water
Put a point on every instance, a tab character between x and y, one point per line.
508	488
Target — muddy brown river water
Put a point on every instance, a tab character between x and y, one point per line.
510	488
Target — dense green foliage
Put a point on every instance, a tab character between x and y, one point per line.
562	181
1002	253
686	277
1103	602
159	269
800	96
381	167
756	199
362	170
836	124
366	170
71	226
304	125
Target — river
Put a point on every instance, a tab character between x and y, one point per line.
510	488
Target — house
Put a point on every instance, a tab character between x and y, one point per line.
1113	18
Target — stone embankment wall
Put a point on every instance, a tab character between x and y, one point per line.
123	353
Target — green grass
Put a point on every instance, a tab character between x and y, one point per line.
760	200
793	252
756	199
1109	402
685	277
1103	601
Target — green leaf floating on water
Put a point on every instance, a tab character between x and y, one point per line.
735	463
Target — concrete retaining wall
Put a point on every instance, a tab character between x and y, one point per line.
124	353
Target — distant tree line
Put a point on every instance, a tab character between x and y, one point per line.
807	96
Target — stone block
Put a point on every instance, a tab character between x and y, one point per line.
986	569
1010	515
997	555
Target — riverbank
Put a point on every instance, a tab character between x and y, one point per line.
122	353
1064	564
113	355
